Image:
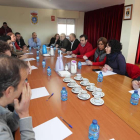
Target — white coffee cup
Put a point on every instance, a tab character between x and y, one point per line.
97	98
85	81
72	83
67	78
78	76
97	89
83	93
91	86
77	88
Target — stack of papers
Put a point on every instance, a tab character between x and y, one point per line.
132	91
28	59
84	63
39	92
53	129
64	73
68	56
29	53
106	73
33	67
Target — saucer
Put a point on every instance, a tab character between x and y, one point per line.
102	94
66	81
87	88
75	78
92	100
84	84
74	91
87	96
71	86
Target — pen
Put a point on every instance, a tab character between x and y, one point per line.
50	96
66	122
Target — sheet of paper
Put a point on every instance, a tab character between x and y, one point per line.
132	91
53	129
68	56
106	73
29	59
33	67
112	139
84	63
39	92
29	53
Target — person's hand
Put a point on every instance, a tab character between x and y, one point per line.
74	55
35	40
22	107
108	67
69	52
56	46
63	50
23	56
85	57
104	69
30	68
24	48
135	84
88	62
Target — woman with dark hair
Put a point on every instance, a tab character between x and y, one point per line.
115	60
98	53
55	40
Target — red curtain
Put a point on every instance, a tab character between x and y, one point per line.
137	61
106	22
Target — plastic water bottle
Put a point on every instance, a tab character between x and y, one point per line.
94	129
79	65
30	49
38	47
43	63
134	98
100	77
49	71
37	52
64	94
37	58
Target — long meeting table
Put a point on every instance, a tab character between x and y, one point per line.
117	118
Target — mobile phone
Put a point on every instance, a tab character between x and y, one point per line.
96	69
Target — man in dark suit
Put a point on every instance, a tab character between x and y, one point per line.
74	43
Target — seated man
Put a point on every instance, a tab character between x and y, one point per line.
4	29
34	41
64	43
14	89
20	41
74	43
4	48
14	53
82	48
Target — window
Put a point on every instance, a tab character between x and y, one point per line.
66	26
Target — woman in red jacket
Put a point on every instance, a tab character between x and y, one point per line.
99	53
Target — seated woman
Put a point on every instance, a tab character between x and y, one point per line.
115	60
99	53
55	40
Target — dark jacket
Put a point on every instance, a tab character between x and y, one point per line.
117	62
21	43
74	46
5	31
64	44
52	41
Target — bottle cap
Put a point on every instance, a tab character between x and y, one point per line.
48	66
135	91
80	61
100	72
94	121
63	88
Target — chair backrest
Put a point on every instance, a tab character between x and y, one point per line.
133	71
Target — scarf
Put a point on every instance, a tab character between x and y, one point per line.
112	56
99	53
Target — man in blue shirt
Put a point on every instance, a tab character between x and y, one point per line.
34	41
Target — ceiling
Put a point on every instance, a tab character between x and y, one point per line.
75	5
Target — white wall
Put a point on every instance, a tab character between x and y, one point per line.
18	18
130	32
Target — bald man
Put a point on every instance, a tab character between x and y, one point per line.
34	41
